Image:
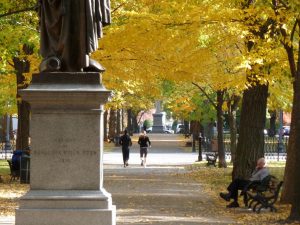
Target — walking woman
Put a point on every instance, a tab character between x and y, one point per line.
144	143
125	142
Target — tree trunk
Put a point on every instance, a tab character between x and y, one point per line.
22	66
2	128
105	125
135	125
272	130
221	150
292	171
129	122
186	127
112	124
122	119
11	129
232	106
233	132
290	193
250	145
195	130
23	125
210	133
119	122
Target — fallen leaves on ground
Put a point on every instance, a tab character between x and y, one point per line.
215	180
10	192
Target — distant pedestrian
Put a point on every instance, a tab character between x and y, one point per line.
125	142
143	142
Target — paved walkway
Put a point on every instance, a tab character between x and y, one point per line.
157	194
167	149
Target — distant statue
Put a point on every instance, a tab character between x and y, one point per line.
158	106
70	30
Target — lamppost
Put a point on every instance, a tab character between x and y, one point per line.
280	146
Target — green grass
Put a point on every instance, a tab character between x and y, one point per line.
276	169
4	168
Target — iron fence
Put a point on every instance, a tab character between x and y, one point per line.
271	147
7	153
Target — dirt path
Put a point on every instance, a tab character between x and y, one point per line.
159	195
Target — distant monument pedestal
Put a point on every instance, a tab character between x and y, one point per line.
66	129
159	118
158	122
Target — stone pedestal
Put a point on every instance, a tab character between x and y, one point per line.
158	122
66	129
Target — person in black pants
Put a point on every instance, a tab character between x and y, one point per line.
258	175
125	142
143	142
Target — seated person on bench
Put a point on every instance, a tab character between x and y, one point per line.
15	160
258	174
16	157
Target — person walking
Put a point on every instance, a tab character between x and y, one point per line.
143	142
125	142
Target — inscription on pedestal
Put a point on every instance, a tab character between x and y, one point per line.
65	155
68	148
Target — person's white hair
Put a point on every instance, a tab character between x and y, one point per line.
261	161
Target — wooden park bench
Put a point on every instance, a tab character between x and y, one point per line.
264	195
211	158
14	174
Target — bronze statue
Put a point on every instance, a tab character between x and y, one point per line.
70	30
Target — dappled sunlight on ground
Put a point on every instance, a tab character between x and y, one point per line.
215	180
161	198
168	220
9	195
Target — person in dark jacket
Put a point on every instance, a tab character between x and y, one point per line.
125	142
144	143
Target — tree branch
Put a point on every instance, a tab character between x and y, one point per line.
143	112
236	100
206	95
117	7
294	30
284	4
9	63
240	50
298	64
33	8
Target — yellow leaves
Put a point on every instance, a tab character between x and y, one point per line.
188	41
7	94
10	193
